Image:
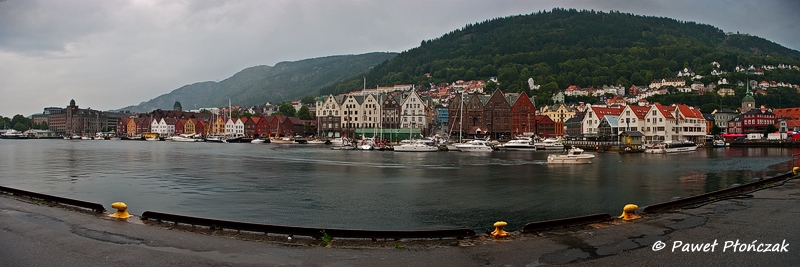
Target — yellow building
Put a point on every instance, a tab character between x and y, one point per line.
559	113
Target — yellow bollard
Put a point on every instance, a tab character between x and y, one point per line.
795	170
498	229
629	212
122	211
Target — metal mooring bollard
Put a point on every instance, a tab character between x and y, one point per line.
629	212
498	229
122	211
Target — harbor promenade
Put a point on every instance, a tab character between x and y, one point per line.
756	229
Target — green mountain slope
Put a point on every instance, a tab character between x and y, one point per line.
261	84
563	47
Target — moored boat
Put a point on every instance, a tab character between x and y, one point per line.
14	134
186	138
573	156
282	140
216	139
316	142
671	147
416	146
718	143
549	144
477	145
522	143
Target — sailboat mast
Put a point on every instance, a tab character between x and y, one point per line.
461	117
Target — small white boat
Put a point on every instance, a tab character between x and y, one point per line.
216	139
719	143
573	156
671	147
315	142
184	138
475	146
519	144
416	146
257	141
549	144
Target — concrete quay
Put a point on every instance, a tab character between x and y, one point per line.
33	233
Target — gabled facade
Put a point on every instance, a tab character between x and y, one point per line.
632	118
234	127
390	111
413	112
329	116
691	124
594	115
545	127
350	106
262	126
497	112
660	122
179	127
250	126
474	122
523	115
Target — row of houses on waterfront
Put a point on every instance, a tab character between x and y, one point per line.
408	113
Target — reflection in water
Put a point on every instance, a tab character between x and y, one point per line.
308	185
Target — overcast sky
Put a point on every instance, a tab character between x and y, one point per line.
108	54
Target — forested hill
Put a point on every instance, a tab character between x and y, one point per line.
260	84
563	47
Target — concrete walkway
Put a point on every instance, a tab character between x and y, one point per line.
34	234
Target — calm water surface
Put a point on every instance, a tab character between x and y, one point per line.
308	185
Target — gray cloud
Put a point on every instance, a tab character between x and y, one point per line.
110	54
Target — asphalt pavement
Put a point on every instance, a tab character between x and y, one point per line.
758	229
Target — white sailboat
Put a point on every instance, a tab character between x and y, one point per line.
450	145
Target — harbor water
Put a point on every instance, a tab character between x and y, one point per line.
312	185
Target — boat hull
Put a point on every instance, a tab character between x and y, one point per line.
415	148
569	160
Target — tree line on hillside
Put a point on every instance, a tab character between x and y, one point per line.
585	48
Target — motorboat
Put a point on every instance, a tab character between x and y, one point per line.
519	144
719	143
339	141
342	144
366	144
185	138
549	144
573	156
316	142
14	134
257	141
476	146
216	139
282	140
670	147
416	146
